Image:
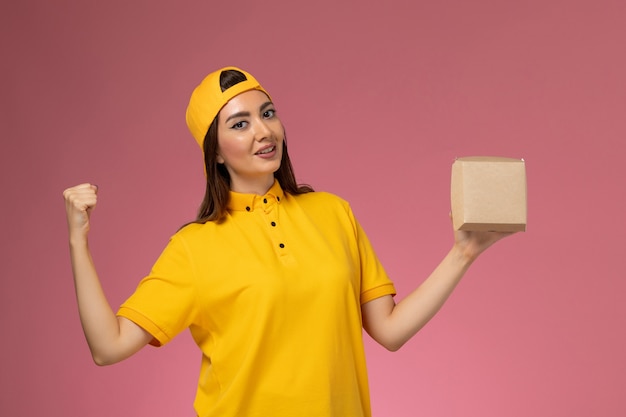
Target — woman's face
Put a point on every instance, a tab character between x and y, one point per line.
250	141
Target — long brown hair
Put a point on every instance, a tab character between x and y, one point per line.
217	193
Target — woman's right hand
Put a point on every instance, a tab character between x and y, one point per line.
110	338
80	201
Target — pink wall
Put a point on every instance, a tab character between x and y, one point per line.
378	99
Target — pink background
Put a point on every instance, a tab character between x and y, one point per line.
378	99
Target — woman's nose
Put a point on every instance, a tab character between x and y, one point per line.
261	130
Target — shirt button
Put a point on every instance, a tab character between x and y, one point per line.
273	224
247	208
265	200
278	198
281	246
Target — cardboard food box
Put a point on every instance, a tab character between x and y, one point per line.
489	194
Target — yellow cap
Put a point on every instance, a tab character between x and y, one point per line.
208	99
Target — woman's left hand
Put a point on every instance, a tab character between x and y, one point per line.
472	244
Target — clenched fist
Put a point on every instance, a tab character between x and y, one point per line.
79	203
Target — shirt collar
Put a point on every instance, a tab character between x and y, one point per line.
247	202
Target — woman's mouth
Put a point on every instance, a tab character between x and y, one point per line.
266	150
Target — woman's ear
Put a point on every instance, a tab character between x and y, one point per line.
218	158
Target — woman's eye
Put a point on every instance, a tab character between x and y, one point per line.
238	125
269	113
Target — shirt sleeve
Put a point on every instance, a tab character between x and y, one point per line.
164	303
375	282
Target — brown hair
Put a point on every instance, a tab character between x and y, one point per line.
217	193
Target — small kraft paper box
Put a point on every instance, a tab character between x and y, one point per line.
488	193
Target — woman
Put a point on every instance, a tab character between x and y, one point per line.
273	280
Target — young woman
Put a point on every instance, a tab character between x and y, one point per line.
274	281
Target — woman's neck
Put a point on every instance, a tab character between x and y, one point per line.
258	187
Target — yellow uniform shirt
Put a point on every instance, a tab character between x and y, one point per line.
272	297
